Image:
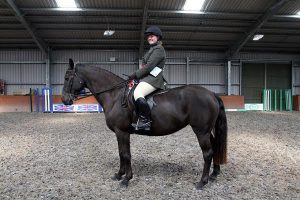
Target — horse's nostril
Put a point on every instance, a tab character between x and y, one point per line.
66	100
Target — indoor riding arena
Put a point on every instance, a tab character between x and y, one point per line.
245	52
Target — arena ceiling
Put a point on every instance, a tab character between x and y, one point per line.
221	25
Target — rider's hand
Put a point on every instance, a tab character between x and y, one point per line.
132	76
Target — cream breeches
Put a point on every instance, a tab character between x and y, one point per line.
142	90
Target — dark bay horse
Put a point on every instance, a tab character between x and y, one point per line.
176	108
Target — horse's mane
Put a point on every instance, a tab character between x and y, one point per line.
98	69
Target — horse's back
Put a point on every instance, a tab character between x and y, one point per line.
184	105
191	96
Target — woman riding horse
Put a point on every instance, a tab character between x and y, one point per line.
175	109
150	75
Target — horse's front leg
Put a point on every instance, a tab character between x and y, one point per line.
125	157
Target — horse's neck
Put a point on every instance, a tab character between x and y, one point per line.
98	80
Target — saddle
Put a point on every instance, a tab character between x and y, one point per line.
131	87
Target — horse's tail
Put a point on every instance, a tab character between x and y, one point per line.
219	141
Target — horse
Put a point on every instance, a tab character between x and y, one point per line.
175	108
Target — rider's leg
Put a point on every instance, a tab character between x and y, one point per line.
142	90
144	121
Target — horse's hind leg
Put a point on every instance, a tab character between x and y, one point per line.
125	158
215	173
207	151
216	169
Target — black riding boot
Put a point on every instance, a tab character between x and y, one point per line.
144	113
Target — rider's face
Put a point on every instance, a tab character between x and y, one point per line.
152	39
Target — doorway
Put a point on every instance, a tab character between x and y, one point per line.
259	76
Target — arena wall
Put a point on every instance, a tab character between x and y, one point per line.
22	103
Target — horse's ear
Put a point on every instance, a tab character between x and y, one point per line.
71	63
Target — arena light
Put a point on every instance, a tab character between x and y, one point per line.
257	37
108	33
193	5
67	5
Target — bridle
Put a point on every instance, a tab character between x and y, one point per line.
74	96
72	75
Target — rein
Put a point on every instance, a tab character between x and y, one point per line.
103	91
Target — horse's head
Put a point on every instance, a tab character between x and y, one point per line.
73	84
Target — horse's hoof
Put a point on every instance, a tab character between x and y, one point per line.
116	177
200	185
124	183
214	176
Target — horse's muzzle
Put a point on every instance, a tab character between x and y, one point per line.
67	99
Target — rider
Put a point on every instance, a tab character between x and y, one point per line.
150	75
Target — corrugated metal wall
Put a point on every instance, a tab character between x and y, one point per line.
201	68
209	75
24	69
296	77
235	78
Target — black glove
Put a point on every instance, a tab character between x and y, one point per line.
132	76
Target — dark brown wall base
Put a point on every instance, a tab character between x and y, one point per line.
22	103
296	102
233	102
15	103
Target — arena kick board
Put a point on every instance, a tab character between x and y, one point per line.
77	108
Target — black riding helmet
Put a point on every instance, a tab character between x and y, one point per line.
153	30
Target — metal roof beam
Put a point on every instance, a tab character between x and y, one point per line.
275	32
152	11
259	23
43	47
84	25
145	17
